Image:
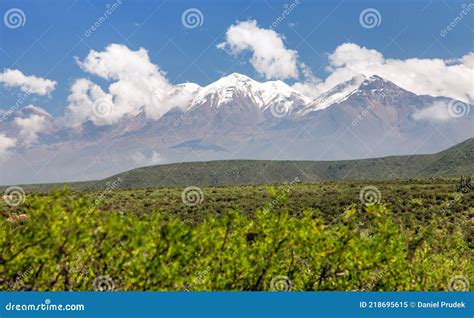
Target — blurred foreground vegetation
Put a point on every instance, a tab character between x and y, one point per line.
69	241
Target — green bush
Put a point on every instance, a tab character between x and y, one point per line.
66	243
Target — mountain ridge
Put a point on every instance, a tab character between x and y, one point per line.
452	162
237	117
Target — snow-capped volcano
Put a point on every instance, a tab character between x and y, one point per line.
337	94
237	117
185	91
237	86
359	84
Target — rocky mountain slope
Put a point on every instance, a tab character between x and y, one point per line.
237	117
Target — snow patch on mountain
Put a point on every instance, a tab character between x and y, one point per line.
38	111
182	95
337	94
263	95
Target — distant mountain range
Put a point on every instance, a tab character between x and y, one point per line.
237	117
453	162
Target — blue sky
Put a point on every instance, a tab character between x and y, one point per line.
53	34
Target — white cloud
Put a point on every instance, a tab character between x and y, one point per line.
88	101
270	56
434	77
28	84
437	112
312	87
137	85
6	144
30	127
468	60
443	111
142	159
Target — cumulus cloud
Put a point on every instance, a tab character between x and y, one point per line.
87	101
436	112
434	77
6	144
28	84
442	111
270	57
468	60
312	86
142	159
137	85
30	127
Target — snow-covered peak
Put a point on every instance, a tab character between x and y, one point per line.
358	85
234	81
37	110
263	95
224	89
184	88
243	89
182	95
374	78
278	87
376	82
277	92
337	94
236	77
190	87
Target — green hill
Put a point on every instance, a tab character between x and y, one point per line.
453	162
456	160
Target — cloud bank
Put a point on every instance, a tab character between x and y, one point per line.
443	111
271	58
436	77
137	85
